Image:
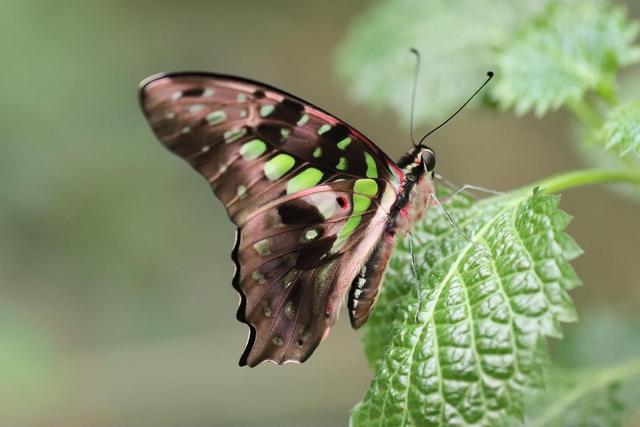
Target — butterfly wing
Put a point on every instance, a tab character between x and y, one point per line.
295	264
310	196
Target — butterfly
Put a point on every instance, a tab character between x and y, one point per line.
317	205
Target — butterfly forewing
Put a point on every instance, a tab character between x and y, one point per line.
232	131
310	196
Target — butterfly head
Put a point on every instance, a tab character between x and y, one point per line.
418	162
427	158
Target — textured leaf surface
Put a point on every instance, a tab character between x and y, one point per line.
622	129
477	344
573	47
458	42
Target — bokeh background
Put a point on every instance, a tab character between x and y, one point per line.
116	306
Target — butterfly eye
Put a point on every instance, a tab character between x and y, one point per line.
429	159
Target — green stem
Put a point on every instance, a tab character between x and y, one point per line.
580	178
602	378
586	112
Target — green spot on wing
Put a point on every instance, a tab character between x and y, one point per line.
233	134
317	152
325	127
303	120
342	164
305	179
344	143
348	228
364	190
366	186
360	204
278	166
372	169
265	110
253	149
216	117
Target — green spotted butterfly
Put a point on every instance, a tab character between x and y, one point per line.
318	206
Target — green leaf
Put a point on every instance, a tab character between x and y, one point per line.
603	346
572	48
457	40
596	377
622	129
592	397
575	399
478	341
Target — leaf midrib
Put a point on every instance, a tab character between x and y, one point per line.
452	271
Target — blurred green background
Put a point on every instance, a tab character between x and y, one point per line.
116	306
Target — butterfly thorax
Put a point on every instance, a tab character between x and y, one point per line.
413	200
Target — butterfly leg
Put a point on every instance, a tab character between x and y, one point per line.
439	203
464	187
415	274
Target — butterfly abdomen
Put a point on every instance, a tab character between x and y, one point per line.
365	287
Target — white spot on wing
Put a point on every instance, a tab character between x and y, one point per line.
267	309
262	247
288	310
258	277
311	234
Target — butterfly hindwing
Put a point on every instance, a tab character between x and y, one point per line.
309	194
295	259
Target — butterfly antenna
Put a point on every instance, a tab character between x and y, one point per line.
413	93
489	77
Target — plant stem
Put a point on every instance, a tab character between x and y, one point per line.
580	178
586	112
